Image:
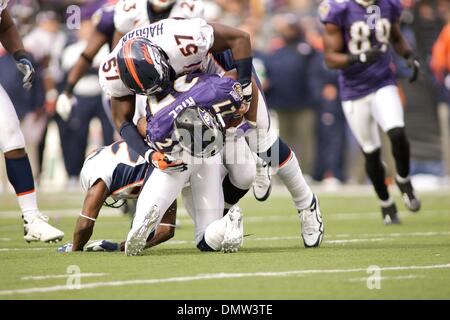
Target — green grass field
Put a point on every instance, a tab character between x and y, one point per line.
414	258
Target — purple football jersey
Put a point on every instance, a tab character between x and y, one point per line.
105	22
218	94
363	28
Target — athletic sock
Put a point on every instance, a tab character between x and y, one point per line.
231	193
21	177
375	171
400	150
292	177
214	234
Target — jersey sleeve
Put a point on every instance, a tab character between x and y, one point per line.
396	10
188	9
331	11
126	13
109	78
103	19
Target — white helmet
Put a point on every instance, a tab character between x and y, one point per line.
365	3
162	3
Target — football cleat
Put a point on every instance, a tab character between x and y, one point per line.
37	228
312	224
263	184
234	232
390	215
412	202
137	239
102	246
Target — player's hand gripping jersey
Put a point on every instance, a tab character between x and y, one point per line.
363	28
186	43
119	167
133	13
220	95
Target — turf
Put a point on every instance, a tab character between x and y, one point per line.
273	264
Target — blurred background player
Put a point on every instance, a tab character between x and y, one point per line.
357	43
12	142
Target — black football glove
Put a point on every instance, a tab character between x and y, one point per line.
414	64
367	57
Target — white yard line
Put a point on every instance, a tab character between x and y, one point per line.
59	276
211	276
22	249
406	277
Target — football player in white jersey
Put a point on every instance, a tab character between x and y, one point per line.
12	143
118	173
111	23
181	46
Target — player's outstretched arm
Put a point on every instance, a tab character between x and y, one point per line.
239	43
93	202
403	49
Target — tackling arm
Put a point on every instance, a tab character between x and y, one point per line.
122	112
93	202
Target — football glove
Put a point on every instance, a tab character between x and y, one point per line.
165	162
414	64
367	57
26	67
102	245
65	248
64	105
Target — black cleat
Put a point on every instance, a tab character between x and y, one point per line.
410	198
390	214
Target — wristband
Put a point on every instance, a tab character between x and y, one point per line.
22	54
244	68
69	88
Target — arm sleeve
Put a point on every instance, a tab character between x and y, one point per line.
130	133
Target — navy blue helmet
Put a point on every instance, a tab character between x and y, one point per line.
143	66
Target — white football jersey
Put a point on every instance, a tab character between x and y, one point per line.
3	5
185	41
130	14
119	167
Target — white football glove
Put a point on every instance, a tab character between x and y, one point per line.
64	105
102	245
65	248
26	67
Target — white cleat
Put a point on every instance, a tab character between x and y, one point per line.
234	232
37	228
137	239
312	225
263	182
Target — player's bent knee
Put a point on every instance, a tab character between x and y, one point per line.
397	134
16	153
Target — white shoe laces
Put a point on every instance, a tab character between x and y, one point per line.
262	175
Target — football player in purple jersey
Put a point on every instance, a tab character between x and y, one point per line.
357	38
